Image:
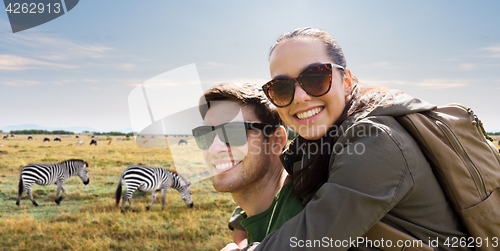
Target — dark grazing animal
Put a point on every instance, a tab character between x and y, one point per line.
93	142
48	174
151	179
30	138
6	137
57	139
182	142
46	140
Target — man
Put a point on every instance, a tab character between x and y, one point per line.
242	138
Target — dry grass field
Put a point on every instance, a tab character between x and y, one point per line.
88	218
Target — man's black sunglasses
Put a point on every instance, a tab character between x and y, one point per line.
232	133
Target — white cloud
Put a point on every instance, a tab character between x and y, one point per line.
35	51
214	65
424	84
369	82
467	67
382	65
17	63
128	67
441	83
257	81
54	49
494	50
18	83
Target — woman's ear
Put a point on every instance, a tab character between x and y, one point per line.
347	82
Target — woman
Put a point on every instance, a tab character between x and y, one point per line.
353	164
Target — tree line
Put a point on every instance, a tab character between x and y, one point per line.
110	133
62	132
41	132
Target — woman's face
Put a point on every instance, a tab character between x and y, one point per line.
317	114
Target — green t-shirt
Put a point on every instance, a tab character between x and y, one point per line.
284	207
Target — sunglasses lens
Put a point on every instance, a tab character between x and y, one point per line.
235	134
317	81
204	137
232	134
281	92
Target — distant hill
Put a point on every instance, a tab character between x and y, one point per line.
75	129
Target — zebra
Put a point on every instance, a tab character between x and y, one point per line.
151	179
48	174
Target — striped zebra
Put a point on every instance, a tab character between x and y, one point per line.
151	179
48	174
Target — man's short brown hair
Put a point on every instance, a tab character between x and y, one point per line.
249	94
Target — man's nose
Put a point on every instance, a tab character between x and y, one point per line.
218	145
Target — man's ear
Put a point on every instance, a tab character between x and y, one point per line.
280	139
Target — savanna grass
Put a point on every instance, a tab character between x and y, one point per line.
88	218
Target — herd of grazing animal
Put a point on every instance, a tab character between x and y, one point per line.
143	178
79	143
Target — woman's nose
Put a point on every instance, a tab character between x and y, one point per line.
300	94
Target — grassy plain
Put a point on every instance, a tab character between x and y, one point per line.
88	218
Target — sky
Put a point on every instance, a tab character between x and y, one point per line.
79	69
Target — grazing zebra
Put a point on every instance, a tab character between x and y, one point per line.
48	174
79	143
151	179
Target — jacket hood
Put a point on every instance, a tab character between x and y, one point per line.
395	103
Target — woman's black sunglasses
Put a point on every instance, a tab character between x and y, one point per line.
316	81
232	133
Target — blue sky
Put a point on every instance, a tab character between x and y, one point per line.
79	69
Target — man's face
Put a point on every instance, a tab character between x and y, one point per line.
235	167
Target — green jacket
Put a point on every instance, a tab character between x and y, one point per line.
376	172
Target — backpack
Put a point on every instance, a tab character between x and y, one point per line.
465	163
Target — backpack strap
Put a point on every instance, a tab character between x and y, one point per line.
383	231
